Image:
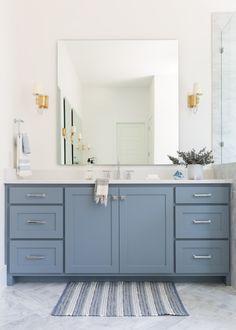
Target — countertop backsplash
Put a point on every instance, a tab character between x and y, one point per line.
164	172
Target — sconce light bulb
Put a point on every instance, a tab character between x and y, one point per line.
73	129
37	89
197	89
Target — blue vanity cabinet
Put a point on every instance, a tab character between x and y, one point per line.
202	230
91	232
34	227
133	234
146	230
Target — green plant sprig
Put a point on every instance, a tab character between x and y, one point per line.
202	157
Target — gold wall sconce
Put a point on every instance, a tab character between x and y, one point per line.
41	100
70	138
79	138
72	134
84	147
63	132
194	98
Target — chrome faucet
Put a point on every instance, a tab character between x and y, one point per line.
118	176
129	174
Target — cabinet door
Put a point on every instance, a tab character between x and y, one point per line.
91	232
146	237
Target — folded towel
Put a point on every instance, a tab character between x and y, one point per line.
101	191
23	167
25	144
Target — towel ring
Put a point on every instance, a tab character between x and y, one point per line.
18	122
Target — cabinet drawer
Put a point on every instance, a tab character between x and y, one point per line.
36	195
202	195
202	256
202	221
36	221
36	257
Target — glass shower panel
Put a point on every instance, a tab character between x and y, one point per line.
224	87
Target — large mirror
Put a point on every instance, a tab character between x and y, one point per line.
118	101
224	86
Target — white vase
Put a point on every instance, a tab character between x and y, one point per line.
195	172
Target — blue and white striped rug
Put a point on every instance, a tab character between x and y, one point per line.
119	299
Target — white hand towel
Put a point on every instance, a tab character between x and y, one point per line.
23	167
25	144
101	191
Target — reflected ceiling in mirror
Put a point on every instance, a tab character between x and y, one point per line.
118	101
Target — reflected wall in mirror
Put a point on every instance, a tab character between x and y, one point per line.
224	86
118	101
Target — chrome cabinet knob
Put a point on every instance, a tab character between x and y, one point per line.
33	257
37	222
36	195
209	256
202	195
201	221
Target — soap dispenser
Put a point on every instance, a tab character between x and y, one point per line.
89	170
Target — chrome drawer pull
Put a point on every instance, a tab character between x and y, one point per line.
115	198
38	222
32	257
202	195
202	257
36	195
122	198
201	221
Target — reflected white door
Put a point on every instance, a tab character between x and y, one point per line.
131	143
150	140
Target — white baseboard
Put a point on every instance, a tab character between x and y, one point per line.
3	277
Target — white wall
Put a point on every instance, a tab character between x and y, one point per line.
36	25
5	124
113	104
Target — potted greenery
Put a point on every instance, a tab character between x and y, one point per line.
194	161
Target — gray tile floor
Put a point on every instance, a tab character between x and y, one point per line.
28	306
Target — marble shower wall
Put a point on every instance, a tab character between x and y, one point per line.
228	171
224	86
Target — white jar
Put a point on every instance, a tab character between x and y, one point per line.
195	172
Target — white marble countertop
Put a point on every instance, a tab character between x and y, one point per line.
159	177
115	181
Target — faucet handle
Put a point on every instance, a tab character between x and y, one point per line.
129	174
107	173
